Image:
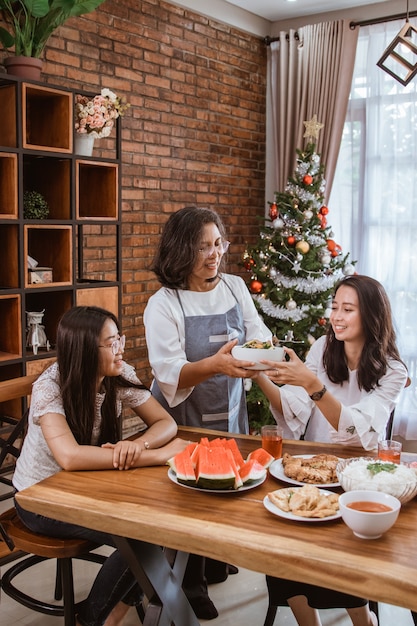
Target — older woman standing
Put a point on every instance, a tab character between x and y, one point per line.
192	323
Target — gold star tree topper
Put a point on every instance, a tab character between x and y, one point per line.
313	127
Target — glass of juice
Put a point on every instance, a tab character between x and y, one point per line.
389	450
272	440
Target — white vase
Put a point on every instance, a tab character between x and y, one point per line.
84	144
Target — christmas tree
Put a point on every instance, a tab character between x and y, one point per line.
296	262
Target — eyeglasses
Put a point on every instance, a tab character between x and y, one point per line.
118	345
221	247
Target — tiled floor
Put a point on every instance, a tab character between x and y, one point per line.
241	600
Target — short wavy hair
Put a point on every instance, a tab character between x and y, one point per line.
177	250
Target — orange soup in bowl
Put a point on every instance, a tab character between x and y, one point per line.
369	507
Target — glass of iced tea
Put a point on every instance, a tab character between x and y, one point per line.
389	450
272	440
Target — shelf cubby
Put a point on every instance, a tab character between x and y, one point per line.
11	329
76	247
51	177
9	256
51	246
104	297
97	190
54	304
8	186
47	118
97	251
8	108
11	408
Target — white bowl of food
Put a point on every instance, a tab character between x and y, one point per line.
369	514
256	351
397	480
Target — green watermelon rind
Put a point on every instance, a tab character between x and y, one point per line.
205	482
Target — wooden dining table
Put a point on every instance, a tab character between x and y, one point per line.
144	510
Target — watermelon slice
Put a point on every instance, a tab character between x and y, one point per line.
251	471
262	456
232	445
183	467
214	470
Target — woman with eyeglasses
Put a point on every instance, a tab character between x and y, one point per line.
192	323
75	424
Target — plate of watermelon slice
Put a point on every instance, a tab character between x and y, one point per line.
249	485
217	466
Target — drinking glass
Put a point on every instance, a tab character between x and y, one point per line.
272	440
389	450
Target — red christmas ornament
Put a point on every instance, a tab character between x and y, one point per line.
256	286
323	222
324	210
273	211
331	244
291	240
307	180
336	250
322	321
249	263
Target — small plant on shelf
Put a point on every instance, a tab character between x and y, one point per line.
35	206
96	116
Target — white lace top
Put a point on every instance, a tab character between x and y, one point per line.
36	461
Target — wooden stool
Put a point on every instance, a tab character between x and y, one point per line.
40	548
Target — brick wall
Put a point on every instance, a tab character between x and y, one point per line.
194	134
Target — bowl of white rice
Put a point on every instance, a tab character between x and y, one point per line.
371	474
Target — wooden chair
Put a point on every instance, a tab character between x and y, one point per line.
18	540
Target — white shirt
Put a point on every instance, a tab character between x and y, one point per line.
36	461
165	332
363	417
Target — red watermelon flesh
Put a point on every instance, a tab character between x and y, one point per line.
232	445
262	456
183	467
238	479
251	471
214	470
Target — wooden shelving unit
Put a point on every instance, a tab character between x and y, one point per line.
79	240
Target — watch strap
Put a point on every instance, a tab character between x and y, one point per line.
317	395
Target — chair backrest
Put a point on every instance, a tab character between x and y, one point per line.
390	423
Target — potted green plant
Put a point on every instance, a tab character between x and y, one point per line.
30	23
35	206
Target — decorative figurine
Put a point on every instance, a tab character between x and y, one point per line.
36	337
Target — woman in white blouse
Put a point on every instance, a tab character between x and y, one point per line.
343	393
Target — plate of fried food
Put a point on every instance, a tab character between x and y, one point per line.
303	504
306	469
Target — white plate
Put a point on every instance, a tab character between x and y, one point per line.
277	471
172	476
297	518
257	354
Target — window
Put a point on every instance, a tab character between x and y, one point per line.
374	196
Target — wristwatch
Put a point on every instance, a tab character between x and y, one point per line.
317	395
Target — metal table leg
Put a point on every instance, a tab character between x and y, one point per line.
160	575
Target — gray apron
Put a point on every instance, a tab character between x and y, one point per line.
219	402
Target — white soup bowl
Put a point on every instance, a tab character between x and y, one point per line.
369	525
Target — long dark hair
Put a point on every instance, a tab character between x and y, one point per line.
380	339
77	355
177	250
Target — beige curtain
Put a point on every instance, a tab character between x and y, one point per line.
310	75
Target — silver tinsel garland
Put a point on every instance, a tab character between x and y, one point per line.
282	313
307	285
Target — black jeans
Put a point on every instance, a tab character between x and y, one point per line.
114	582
